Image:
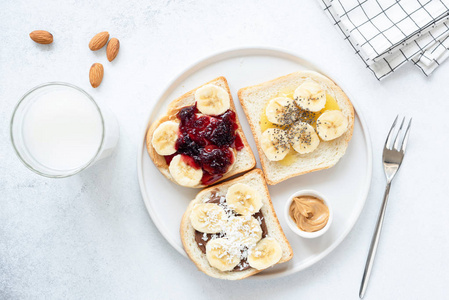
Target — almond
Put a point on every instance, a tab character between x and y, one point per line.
41	37
112	49
96	75
99	40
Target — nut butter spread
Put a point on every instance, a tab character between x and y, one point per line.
309	213
201	238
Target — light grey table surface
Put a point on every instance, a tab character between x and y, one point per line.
90	236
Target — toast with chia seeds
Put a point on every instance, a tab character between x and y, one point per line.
255	99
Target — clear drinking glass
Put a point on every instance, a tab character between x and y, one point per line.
58	130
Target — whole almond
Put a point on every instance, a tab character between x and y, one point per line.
112	48
41	37
96	75
98	41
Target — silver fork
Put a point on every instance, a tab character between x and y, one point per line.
392	159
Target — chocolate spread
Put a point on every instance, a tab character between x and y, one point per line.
202	238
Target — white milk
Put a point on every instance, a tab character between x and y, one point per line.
62	129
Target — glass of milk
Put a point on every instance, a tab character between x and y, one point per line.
58	130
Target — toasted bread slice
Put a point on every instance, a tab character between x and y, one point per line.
244	160
254	100
254	179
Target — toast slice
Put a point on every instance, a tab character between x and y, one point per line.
254	100
256	180
244	159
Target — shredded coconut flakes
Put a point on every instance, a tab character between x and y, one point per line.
237	233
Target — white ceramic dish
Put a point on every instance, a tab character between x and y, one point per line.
348	182
291	223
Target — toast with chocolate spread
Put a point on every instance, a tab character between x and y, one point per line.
231	231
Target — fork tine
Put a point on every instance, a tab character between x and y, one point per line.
396	140
404	142
387	142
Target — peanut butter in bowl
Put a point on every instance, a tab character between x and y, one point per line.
308	213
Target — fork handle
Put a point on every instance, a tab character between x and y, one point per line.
374	243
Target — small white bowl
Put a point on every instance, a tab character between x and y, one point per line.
292	224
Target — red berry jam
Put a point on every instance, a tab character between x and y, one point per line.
208	141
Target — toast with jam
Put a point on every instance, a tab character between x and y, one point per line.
301	122
199	141
231	231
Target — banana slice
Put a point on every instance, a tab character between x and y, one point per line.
164	138
310	96
275	144
266	254
303	138
282	111
222	255
243	199
212	100
208	218
244	230
183	173
331	125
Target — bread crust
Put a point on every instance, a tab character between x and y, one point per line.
341	98
186	229
188	99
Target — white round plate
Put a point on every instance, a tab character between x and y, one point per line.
346	185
